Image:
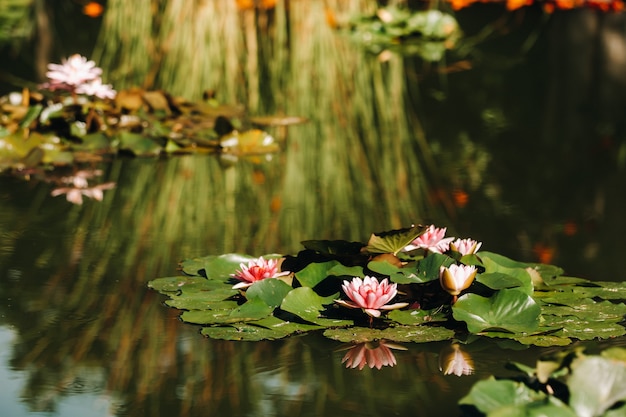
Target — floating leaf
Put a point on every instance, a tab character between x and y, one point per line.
428	268
270	291
253	309
500	281
333	247
342	270
306	304
490	395
396	274
510	310
243	332
540	339
173	284
596	384
138	144
314	273
414	317
417	334
393	241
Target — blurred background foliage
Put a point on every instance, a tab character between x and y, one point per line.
515	137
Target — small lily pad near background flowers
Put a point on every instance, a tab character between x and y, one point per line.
396	288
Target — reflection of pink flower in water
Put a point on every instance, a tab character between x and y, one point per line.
372	355
75	194
455	361
370	295
256	270
79	187
431	240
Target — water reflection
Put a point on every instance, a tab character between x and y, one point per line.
387	145
453	360
372	354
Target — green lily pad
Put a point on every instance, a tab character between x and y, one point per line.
333	247
314	273
393	241
173	284
490	395
417	334
499	281
306	304
414	317
138	144
398	275
270	291
541	339
243	332
510	310
342	270
596	384
428	268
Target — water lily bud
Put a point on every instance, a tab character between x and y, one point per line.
456	278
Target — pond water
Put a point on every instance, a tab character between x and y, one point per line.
515	138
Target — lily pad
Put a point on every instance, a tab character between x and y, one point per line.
596	384
499	281
270	291
510	310
314	273
417	334
393	241
306	304
491	395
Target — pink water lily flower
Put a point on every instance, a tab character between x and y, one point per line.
456	278
74	71
370	295
97	89
465	246
432	240
256	270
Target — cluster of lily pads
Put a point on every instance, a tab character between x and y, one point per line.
425	33
75	118
407	285
572	383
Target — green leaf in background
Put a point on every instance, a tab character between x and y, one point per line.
393	241
138	144
93	142
31	115
510	310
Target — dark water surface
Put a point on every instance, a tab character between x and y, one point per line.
523	149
